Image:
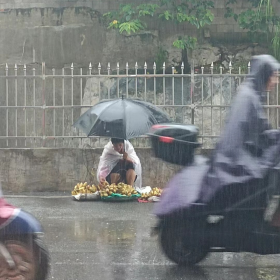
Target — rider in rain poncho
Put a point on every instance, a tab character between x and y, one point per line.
247	150
248	147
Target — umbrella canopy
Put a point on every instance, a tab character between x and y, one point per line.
120	118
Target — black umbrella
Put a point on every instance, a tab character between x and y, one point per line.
120	118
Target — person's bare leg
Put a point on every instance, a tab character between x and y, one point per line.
115	178
130	177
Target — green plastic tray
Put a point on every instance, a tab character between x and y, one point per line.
120	197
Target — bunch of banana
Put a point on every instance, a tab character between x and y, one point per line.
103	185
84	188
121	188
154	192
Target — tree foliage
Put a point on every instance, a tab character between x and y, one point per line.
132	18
261	19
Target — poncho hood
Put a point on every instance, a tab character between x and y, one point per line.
262	68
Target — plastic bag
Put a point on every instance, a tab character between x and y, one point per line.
87	196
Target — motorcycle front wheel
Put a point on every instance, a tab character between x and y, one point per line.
177	247
30	259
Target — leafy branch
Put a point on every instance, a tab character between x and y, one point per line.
185	43
261	21
131	18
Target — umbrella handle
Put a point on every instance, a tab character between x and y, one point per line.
124	148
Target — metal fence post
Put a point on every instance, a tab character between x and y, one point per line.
7	104
16	104
192	92
44	103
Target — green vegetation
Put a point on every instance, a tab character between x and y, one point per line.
132	18
261	19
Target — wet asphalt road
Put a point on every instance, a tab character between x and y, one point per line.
104	241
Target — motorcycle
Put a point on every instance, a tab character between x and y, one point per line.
23	254
188	229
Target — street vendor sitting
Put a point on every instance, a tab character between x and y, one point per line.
120	163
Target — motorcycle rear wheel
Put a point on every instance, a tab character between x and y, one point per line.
175	245
30	257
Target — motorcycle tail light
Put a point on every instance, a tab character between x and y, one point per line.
166	139
158	126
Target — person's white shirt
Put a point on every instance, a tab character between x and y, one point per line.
110	158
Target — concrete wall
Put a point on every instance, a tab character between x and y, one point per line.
62	32
35	170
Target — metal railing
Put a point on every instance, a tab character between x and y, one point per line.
39	105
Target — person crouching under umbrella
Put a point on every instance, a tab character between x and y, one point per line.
120	163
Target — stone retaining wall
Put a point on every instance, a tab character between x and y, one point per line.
62	32
35	170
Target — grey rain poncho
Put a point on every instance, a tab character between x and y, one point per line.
247	149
